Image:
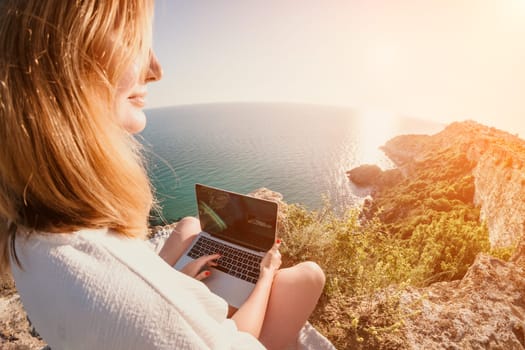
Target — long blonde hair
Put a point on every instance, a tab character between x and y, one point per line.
65	163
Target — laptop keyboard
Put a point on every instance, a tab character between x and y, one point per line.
233	261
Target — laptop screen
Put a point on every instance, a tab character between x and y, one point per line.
240	219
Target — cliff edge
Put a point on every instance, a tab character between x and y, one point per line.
477	169
488	164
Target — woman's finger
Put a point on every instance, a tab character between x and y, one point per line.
272	259
203	275
192	268
207	259
277	244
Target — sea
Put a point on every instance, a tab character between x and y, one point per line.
301	151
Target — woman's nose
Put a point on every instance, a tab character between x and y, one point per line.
154	70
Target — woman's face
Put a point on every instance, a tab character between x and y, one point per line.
132	91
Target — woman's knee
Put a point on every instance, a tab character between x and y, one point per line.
188	225
189	220
180	239
312	273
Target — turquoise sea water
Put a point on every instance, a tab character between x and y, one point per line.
301	151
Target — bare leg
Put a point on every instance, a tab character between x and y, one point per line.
180	239
294	294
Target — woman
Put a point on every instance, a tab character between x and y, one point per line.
75	196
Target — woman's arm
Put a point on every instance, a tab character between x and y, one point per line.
250	316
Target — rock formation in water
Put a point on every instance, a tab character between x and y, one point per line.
373	177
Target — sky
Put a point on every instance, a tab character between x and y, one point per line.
442	60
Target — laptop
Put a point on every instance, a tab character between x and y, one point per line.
241	229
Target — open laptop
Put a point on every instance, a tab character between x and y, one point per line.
240	228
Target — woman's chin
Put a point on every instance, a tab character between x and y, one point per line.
135	122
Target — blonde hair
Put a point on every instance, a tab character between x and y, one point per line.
65	163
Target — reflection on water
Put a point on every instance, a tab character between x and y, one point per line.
374	129
301	151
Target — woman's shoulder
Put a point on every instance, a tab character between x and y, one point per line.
91	252
56	255
85	240
29	238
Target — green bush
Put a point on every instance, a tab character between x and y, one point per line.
361	257
445	248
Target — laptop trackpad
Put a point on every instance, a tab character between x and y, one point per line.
234	290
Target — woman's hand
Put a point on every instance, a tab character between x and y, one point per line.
250	316
272	260
195	268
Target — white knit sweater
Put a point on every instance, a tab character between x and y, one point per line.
96	290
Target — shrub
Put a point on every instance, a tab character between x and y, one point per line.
445	248
362	257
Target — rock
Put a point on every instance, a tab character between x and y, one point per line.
519	254
405	149
365	175
372	176
16	333
153	230
7	285
484	310
499	179
264	193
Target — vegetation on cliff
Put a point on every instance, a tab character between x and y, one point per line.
432	210
421	226
362	257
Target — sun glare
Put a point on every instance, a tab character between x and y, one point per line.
520	5
382	55
374	130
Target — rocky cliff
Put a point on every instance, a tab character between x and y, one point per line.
485	309
500	191
495	159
